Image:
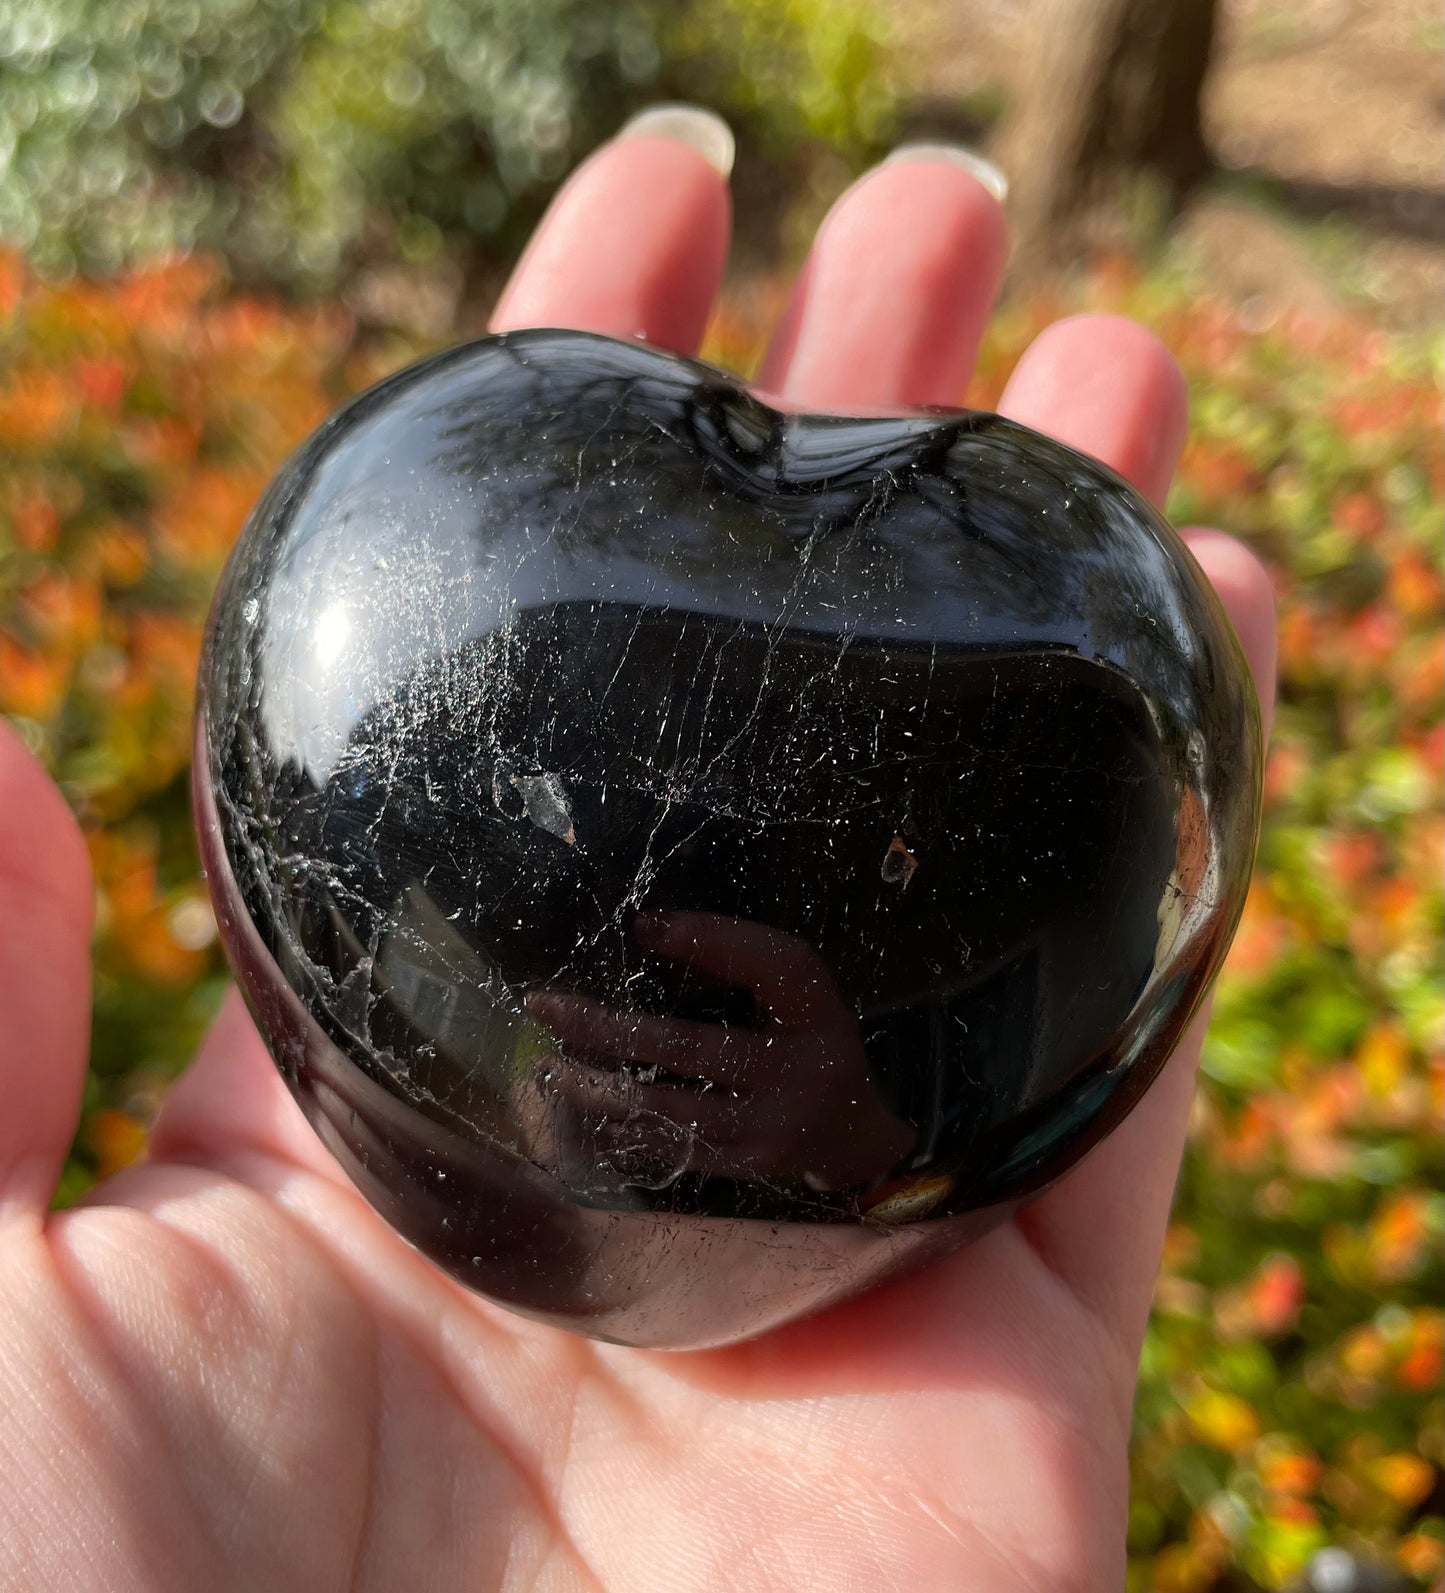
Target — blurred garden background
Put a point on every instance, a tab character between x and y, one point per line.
219	217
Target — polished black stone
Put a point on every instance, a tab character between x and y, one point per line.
691	862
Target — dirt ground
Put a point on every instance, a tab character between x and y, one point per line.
1327	118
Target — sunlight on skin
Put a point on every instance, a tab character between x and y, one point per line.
224	1371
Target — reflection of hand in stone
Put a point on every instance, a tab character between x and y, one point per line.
789	1098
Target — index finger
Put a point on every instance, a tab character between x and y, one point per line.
634	244
46	905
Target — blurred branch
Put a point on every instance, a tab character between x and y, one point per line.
1113	88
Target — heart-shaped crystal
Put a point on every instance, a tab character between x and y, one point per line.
692	861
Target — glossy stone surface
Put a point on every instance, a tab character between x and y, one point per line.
690	862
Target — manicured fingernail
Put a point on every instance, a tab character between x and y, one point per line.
700	129
955	155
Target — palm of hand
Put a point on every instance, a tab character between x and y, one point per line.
225	1371
252	1383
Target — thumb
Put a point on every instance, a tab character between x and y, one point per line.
47	903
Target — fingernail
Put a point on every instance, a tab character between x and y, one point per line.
955	155
698	128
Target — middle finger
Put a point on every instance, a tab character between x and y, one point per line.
892	301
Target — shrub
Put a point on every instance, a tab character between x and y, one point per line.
294	133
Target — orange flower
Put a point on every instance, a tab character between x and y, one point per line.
36	524
1374	634
1364	1354
1311	1123
1422	1556
198	523
35	407
161	297
1254	1134
1286	768
1181	1247
118	553
103	382
1404	1479
167	647
1285	1467
1361	514
1421	1368
1262	934
1382	1057
1425	681
12	281
115	1139
1397	1235
32	684
1222	1420
162	442
1185	1568
1353	856
1276	1294
1432	750
1414	586
135	917
1388	410
1218	469
63	609
1294	1512
1394	902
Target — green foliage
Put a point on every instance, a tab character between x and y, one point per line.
798	69
439	119
295	133
115	116
1291	1395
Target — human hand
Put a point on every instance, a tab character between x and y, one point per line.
225	1371
823	1119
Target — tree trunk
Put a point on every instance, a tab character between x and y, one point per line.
1113	89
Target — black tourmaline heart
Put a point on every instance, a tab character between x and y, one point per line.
691	862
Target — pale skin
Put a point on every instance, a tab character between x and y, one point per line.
225	1372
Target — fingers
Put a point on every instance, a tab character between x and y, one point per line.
790	980
47	901
635	243
1105	386
1245	589
605	1098
703	1051
1109	388
892	301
